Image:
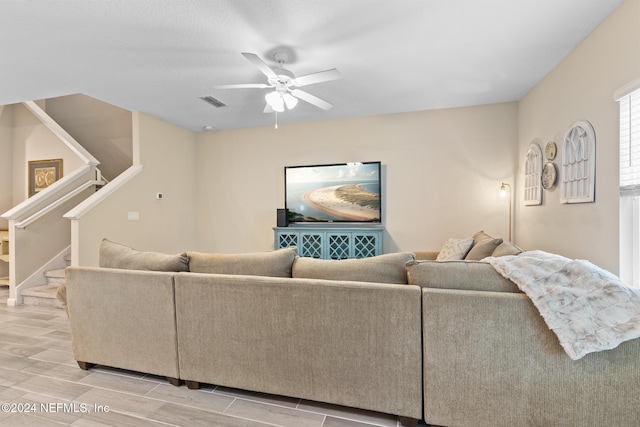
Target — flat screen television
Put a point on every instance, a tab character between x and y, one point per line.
340	192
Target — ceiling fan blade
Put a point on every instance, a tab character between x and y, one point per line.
243	86
319	77
311	99
268	109
260	64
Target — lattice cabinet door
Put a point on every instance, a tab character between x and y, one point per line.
311	244
284	240
339	245
366	245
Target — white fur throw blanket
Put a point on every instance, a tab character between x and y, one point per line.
588	308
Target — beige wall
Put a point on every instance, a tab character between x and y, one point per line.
167	159
6	161
441	174
581	87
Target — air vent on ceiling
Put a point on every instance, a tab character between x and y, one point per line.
213	101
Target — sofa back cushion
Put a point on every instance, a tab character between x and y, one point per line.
116	255
464	275
274	264
388	268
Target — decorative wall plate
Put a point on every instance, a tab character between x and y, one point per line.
550	150
549	176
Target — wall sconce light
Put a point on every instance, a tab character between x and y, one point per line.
503	193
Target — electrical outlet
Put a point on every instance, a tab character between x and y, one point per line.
133	216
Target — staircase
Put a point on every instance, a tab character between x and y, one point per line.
45	295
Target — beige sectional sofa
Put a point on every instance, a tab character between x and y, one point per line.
354	341
450	342
490	359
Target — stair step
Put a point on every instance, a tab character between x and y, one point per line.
41	296
58	273
55	277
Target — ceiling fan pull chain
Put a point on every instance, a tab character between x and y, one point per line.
276	120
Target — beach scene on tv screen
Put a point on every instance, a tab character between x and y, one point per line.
327	193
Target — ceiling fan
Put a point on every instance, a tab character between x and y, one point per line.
285	84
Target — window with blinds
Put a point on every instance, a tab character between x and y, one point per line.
630	144
629	99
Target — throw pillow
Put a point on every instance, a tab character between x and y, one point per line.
454	249
275	263
507	248
483	246
116	255
387	268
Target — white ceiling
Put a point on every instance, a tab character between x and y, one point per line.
160	56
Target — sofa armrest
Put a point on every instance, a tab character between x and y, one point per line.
123	319
490	359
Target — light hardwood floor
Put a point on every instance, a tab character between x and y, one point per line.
41	385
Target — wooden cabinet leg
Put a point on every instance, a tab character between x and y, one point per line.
174	381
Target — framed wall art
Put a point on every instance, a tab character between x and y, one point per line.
43	173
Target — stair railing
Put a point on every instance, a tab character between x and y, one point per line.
42	212
38	232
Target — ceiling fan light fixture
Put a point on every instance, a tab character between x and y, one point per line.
274	99
290	100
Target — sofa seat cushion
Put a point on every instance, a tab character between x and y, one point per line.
116	255
274	264
387	268
463	275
